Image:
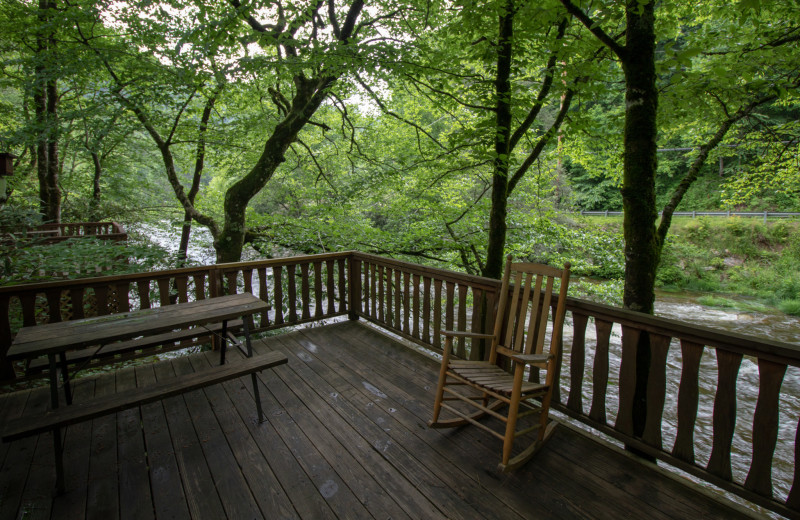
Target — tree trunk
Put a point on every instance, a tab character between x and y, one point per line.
502	140
45	97
199	164
310	95
53	189
639	163
642	249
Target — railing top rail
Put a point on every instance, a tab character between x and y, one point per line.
442	274
282	261
747	345
167	273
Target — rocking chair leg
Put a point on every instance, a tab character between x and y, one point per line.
513	408
437	404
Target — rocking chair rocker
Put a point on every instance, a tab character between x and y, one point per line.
524	317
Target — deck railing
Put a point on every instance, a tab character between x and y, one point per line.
737	383
52	233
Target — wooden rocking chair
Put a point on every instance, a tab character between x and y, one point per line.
503	382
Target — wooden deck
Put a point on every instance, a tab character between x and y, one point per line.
346	437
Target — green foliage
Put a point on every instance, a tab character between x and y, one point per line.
77	258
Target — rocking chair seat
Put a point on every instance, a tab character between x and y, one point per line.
488	376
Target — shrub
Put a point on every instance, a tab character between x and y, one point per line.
790	307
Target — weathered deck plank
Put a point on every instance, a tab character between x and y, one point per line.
345	437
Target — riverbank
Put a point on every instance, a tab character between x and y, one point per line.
733	263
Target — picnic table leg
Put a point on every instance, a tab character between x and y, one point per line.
56	432
224	345
256	394
53	381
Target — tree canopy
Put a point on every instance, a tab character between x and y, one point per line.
449	132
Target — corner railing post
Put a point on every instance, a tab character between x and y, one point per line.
354	287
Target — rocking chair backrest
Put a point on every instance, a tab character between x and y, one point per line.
524	313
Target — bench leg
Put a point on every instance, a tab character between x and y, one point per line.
65	377
257	397
58	452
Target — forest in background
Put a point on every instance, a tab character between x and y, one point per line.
446	133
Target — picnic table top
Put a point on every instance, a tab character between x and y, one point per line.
58	337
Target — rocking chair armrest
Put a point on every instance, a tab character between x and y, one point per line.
457	334
531	358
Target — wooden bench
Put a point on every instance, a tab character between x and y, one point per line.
168	341
61	417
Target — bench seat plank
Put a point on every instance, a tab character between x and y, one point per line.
65	416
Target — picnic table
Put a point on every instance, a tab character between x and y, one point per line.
54	340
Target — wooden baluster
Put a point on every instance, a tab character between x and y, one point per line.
306	290
214	282
475	344
437	313
101	298
5	321
53	305
793	500
123	296
398	290
381	302
163	291
182	286
577	362
765	426
277	274
290	282
28	302
6	368
356	288
656	389
199	286
627	380
688	400
143	288
232	284
330	286
374	282
426	310
247	283
76	302
724	422
406	302
449	305
489	317
415	311
247	277
369	288
389	298
462	319
263	294
318	313
342	287
600	371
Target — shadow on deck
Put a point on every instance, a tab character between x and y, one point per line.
346	437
